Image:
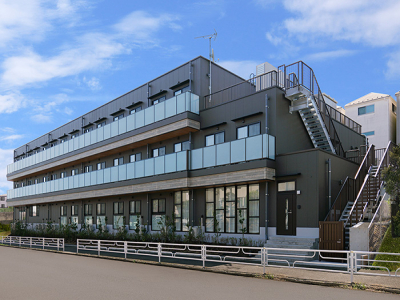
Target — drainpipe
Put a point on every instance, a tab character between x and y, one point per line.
190	76
148	213
266	210
328	162
266	115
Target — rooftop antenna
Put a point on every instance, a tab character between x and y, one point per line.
210	37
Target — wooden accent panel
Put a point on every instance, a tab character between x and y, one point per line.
331	236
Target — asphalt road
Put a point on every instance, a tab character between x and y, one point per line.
27	274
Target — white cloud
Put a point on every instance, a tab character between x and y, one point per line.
242	68
6	158
68	111
12	137
92	83
42	118
330	54
11	102
393	65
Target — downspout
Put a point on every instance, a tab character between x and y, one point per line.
148	213
329	182
266	183
190	76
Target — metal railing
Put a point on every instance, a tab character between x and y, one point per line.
34	242
379	224
343	119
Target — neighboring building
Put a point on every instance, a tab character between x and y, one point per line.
3	201
254	152
398	123
377	115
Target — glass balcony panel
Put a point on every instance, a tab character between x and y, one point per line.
93	137
181	161
76	143
56	185
170	107
114	128
71	181
87	139
139	169
76	181
122	126
238	149
159	167
122	172
265	146
130	122
52	184
149	115
271	154
56	153
81	180
223	154
81	140
130	171
196	159
51	154
209	156
194	106
139	119
149	167
64	183
170	162
66	146
159	111
100	134
254	147
107	175
114	174
87	179
180	103
99	176
60	184
107	131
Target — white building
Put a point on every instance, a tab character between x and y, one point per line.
3	201
377	115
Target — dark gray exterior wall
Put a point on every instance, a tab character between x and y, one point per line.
349	138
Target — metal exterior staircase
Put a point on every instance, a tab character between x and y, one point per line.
302	89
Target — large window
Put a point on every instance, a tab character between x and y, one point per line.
74	172
135	157
214	139
182	146
181	210
88	169
101	214
366	109
101	165
74	214
159	151
158	214
22	214
248	130
118	161
88	214
63	215
134	214
118	215
233	209
34	211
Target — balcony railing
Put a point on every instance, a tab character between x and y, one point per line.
171	107
252	148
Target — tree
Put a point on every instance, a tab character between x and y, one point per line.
391	177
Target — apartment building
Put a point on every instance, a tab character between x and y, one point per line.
377	114
3	201
261	156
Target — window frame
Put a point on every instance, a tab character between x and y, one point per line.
181	90
34	212
118	117
214	140
158	151
136	213
119	160
247	130
181	146
137	156
158	212
184	213
135	110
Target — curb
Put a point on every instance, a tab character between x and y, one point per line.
336	284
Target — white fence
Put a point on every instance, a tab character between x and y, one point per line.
34	242
350	262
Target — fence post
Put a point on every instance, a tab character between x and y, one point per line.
77	246
43	243
203	255
125	248
351	267
19	241
98	247
159	252
263	259
58	244
30	242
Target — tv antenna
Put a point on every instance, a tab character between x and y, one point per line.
211	55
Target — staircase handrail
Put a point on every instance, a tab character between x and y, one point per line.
383	157
376	212
358	197
337	197
363	161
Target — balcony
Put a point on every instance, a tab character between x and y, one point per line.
171	107
238	151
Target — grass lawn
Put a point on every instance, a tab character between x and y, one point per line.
4	233
390	245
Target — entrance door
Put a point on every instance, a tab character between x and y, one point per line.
286	214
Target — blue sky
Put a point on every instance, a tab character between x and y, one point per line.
60	59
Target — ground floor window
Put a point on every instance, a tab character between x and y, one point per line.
118	220
22	214
74	214
134	214
34	211
233	209
157	214
101	212
63	215
101	221
181	210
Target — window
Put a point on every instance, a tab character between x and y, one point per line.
135	157
22	214
44	179
248	130
182	90
63	174
233	209
181	210
368	133
118	161
118	215
36	181
75	135
159	151
29	182
53	144
101	218
53	176
74	172
135	110
214	139
286	186
101	165
161	99
88	214
183	146
134	214
88	169
158	214
89	129
63	140
394	109
101	124
74	214
34	211
116	118
63	214
366	109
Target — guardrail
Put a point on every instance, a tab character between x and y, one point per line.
34	242
348	262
